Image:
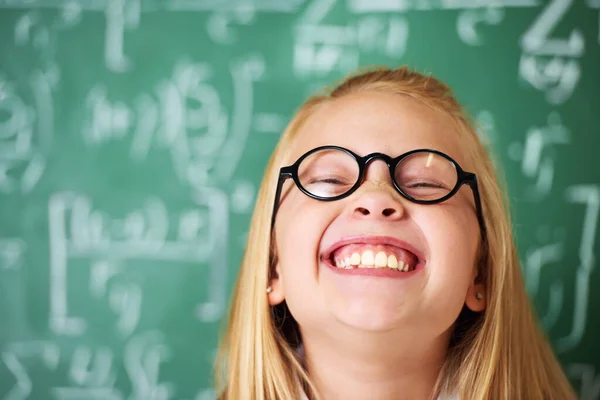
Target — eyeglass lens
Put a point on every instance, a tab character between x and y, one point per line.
422	175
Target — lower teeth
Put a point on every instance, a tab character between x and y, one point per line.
373	267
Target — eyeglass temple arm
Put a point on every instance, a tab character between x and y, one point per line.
471	180
283	175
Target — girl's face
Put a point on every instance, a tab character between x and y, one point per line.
377	218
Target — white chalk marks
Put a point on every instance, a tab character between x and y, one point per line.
82	237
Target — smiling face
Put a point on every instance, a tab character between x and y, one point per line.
436	244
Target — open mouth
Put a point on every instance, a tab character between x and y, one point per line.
369	256
390	255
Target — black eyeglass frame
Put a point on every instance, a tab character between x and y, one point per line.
463	177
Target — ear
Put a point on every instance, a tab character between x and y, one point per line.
276	294
476	295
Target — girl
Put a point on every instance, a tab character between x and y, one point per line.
380	262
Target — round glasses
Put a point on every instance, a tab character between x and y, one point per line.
423	176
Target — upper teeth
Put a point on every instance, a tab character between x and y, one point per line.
368	259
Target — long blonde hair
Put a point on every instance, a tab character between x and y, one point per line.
500	353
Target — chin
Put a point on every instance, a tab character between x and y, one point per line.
369	317
372	326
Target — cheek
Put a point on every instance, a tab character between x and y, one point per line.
298	234
300	225
453	237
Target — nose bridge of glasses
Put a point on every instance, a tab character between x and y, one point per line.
377	172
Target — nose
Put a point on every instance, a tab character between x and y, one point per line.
377	202
377	197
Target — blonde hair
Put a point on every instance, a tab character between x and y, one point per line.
500	353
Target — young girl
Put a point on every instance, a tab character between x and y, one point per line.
380	262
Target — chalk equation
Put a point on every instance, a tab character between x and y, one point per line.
551	256
87	245
588	378
537	155
184	115
45	370
549	64
27	105
124	16
25	133
552	64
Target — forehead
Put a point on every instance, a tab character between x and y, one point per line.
378	122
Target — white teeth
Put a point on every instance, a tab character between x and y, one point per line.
367	258
380	260
392	262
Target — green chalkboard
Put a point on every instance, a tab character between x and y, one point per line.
134	134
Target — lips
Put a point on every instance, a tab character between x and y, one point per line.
374	240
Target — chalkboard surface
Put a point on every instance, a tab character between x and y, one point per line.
134	133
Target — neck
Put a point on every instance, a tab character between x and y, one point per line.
377	366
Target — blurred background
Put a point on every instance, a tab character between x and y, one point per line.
134	135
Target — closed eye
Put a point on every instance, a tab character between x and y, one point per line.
425	185
328	180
